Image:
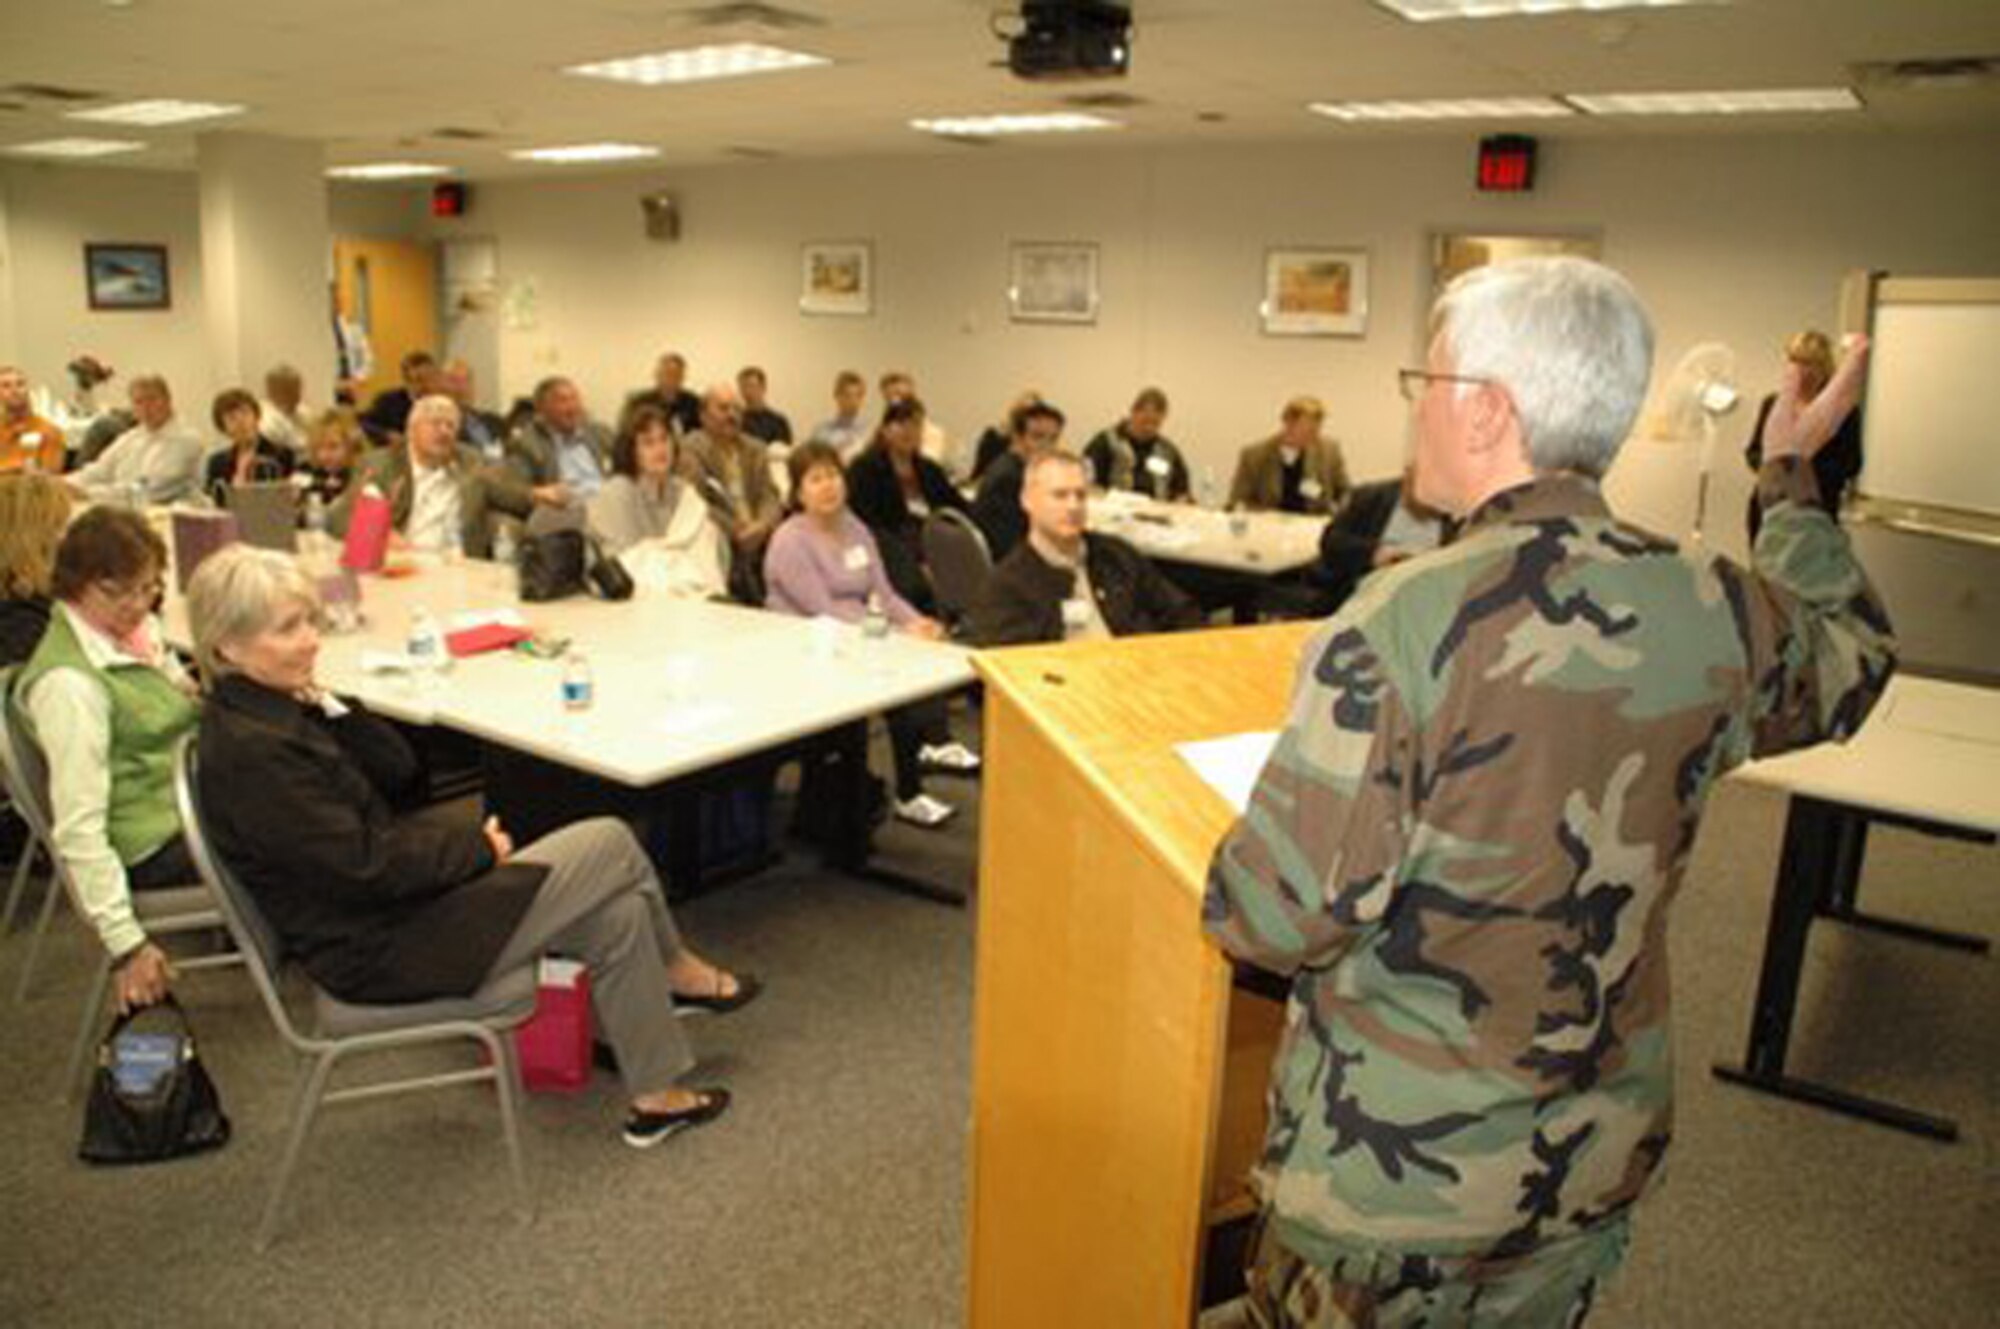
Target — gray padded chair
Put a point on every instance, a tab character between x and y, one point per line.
955	552
164	914
342	1029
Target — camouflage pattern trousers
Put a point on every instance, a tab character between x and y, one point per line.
1549	1288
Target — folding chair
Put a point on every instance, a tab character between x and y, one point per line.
955	552
343	1029
174	911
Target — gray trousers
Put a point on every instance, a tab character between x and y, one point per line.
601	904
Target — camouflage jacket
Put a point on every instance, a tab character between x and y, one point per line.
1466	840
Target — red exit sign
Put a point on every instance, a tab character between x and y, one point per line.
1506	164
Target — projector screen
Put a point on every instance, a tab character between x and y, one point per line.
1931	431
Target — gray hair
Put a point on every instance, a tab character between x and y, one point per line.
235	593
1568	340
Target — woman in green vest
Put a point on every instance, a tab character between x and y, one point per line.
106	700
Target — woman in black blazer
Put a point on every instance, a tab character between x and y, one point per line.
246	455
311	801
892	486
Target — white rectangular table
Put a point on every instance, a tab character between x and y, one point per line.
1928	759
683	688
1256	544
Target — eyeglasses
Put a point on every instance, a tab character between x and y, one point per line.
132	592
1412	382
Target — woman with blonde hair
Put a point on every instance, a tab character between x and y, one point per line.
334	443
1809	354
34	509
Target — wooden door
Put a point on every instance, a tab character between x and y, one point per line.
387	288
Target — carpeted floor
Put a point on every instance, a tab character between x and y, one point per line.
832	1194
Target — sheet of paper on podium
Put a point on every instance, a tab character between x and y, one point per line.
1230	766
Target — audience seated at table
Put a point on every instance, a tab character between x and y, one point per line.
650	518
106	700
1032	428
158	458
561	445
388	415
34	509
1133	454
485	431
309	800
246	456
1066	583
993	439
334	445
732	472
1383	522
893	487
441	495
1296	469
844	431
27	441
823	562
282	415
669	394
760	419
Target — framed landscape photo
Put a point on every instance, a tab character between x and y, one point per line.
127	276
1052	283
1315	293
837	277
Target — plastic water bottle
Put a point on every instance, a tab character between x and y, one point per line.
425	647
875	620
504	546
1209	491
579	688
135	495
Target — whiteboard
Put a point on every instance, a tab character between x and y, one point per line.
1931	424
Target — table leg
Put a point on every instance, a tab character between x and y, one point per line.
1821	847
1844	883
844	780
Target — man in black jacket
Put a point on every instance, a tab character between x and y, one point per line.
1063	583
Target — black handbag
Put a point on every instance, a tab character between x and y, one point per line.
557	564
551	565
150	1097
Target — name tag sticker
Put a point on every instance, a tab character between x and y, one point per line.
857	558
1076	613
1159	466
1310	487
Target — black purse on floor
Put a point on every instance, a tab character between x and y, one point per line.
150	1097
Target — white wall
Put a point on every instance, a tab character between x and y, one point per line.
51	211
264	246
1739	238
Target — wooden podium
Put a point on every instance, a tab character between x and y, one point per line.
1118	1076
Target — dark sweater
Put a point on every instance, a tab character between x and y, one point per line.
1024	597
875	494
21	625
378	905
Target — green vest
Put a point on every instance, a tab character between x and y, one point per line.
148	713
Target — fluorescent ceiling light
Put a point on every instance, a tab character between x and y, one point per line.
1462	108
1717	103
696	63
585	152
161	111
74	147
1428	11
387	171
987	126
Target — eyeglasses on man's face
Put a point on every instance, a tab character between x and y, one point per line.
1412	382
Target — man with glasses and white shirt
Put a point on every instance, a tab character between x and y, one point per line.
442	496
158	460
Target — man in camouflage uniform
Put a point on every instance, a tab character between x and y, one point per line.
1464	845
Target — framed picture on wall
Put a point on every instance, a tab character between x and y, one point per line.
1052	282
1315	293
126	276
837	277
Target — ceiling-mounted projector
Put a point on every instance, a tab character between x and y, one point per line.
1071	39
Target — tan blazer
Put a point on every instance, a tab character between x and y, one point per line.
483	489
1260	477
